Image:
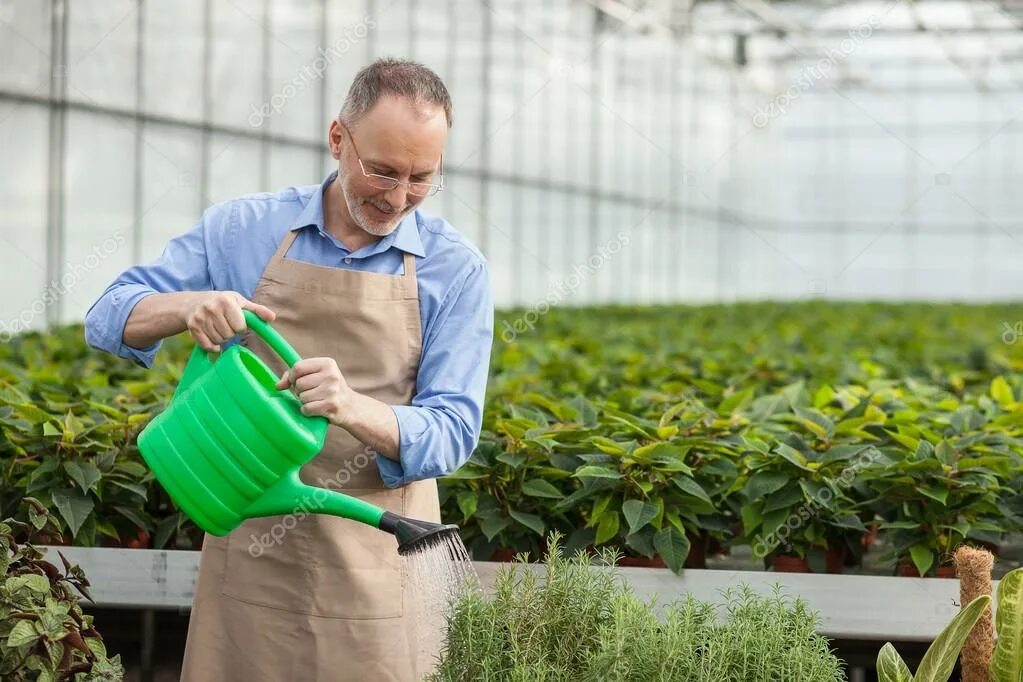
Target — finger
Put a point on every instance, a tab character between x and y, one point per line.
235	318
262	311
204	341
306	366
284	381
317	408
313	394
218	328
308	381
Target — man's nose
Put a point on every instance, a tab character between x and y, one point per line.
397	197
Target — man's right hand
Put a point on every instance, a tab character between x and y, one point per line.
217	316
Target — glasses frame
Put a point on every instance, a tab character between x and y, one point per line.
386	182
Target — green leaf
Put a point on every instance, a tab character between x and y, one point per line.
935	493
923	558
530	521
940	659
593	471
691	487
1002	393
492	525
1007	663
33	581
467	502
537	487
83	472
638	513
891	667
24	633
73	507
673	547
792	455
607	445
764	483
608	528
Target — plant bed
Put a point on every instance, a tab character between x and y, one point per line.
577	623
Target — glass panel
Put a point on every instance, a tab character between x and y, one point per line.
102	64
173	40
292	166
234	166
171	204
25	46
23	169
236	63
298	66
99	211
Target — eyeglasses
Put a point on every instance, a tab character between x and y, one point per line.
377	181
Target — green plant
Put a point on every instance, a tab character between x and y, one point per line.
44	635
580	622
941	479
1007	663
940	658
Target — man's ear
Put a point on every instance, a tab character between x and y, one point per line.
335	138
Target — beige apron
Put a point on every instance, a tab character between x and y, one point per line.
309	597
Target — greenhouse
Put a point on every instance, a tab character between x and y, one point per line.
580	340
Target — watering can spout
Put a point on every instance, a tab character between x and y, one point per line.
415	535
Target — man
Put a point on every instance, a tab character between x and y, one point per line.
393	315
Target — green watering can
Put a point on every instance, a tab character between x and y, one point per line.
229	446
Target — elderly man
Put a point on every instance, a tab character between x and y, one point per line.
393	312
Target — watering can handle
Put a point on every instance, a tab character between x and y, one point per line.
272	338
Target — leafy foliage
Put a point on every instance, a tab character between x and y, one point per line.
44	635
579	622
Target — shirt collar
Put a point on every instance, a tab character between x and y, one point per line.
405	237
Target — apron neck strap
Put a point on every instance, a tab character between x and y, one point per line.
408	271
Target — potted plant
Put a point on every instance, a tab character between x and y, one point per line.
44	635
577	621
798	508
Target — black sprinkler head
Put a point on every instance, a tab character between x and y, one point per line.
415	535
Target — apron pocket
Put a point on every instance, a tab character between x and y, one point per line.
319	565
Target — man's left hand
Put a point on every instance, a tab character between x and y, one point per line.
322	389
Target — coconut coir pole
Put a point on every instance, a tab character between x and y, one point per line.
974	569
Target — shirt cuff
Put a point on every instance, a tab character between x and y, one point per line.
143	356
411	427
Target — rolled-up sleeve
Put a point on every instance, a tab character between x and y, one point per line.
440	428
183	266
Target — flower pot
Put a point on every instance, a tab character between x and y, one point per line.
789	564
907	569
139	539
642	562
834	559
43	538
503	554
698	544
869	539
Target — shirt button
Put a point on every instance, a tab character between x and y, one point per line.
348	260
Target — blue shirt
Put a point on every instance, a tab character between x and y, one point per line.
232	243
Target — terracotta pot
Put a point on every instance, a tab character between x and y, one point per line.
697	550
140	539
64	540
869	539
642	562
834	559
789	564
907	569
503	554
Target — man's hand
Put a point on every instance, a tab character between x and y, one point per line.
322	389
216	316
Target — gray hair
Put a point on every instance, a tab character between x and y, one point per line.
402	77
